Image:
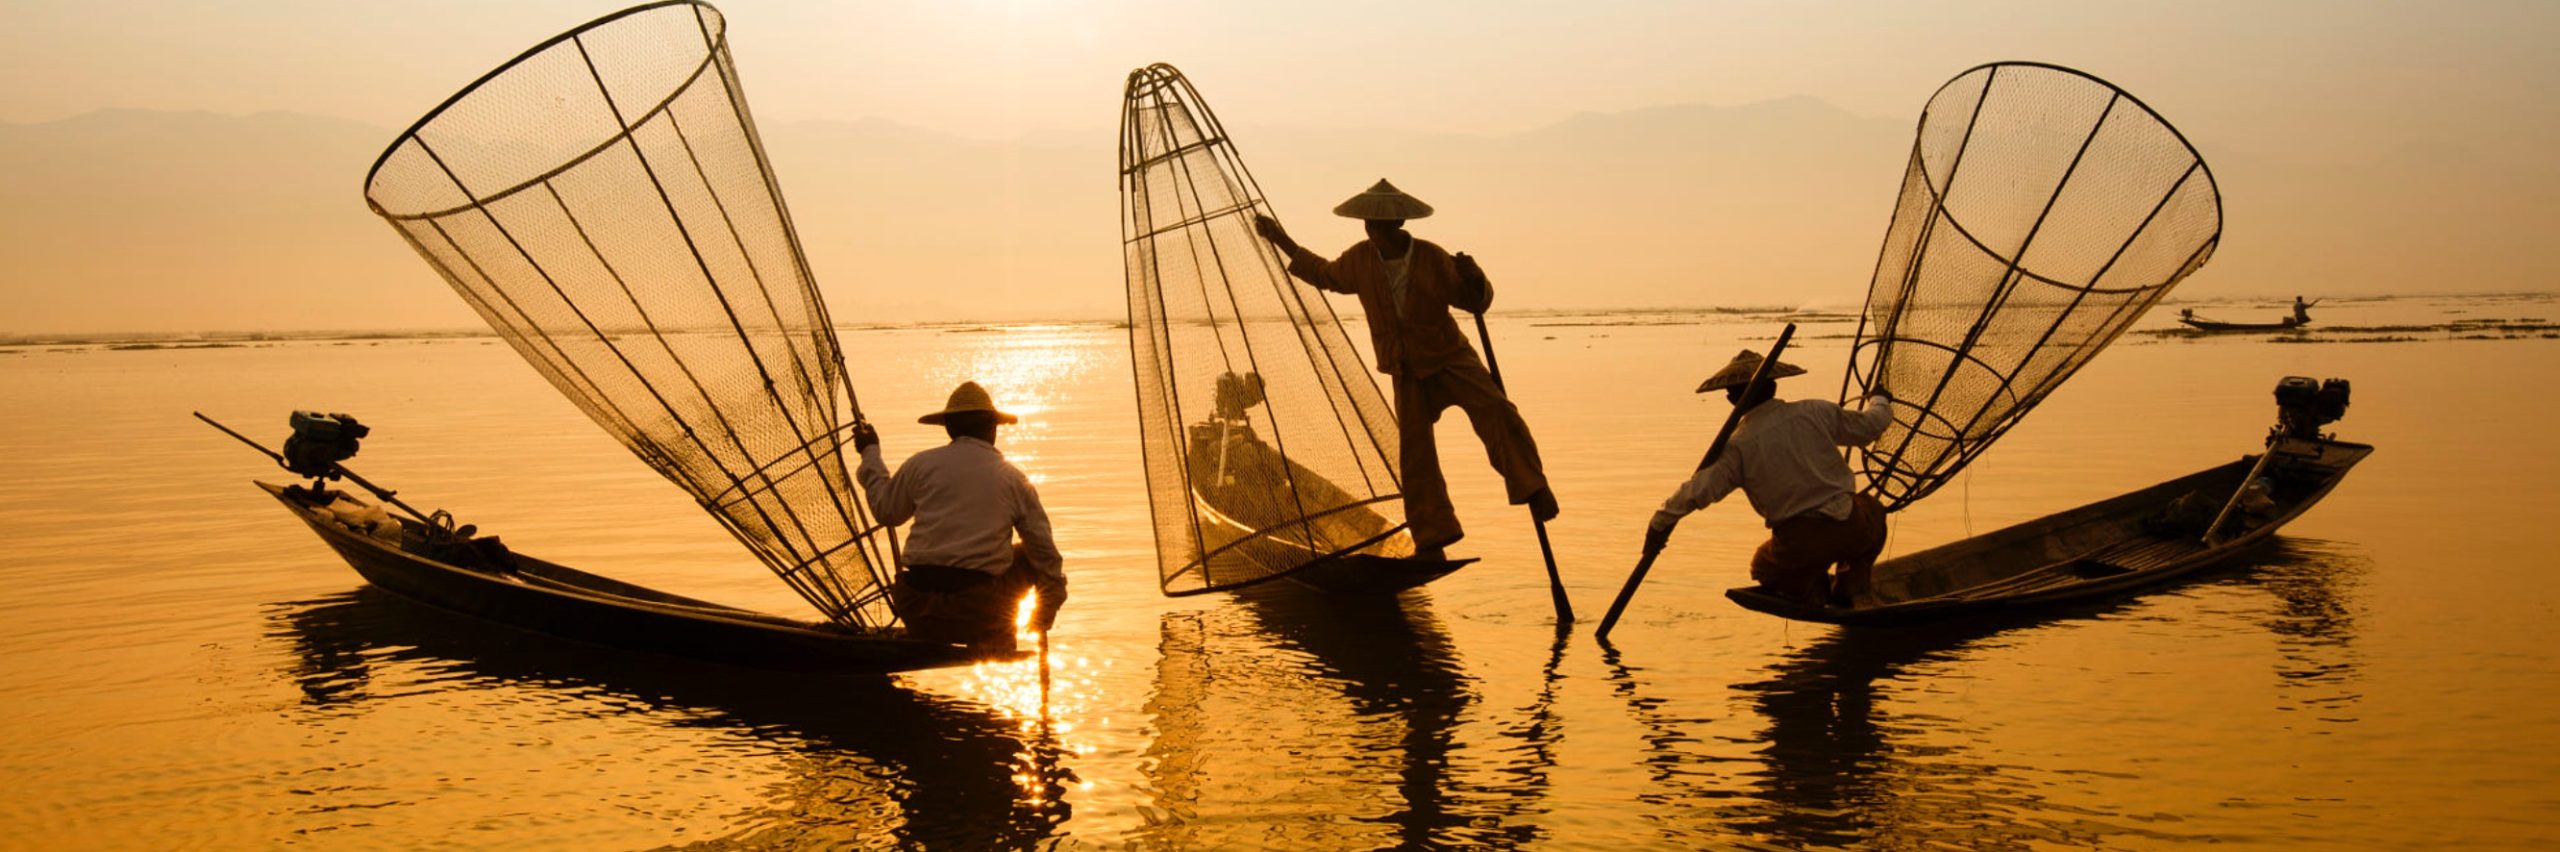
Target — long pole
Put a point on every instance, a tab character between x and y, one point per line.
1555	582
1715	449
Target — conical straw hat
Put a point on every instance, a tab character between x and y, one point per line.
1738	371
1383	201
968	397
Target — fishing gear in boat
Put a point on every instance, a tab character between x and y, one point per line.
2042	211
318	448
604	202
1270	452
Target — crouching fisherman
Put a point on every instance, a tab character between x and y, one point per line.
962	574
1785	456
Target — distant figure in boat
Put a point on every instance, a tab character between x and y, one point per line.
1785	456
2301	312
1406	287
962	574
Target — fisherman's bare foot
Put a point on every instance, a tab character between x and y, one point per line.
1542	505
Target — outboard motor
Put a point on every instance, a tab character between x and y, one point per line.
2303	405
320	442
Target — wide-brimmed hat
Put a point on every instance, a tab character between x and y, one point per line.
968	397
1383	201
1738	371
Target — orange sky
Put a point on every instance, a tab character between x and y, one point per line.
2305	109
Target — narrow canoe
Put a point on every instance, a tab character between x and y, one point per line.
2216	325
526	593
2101	550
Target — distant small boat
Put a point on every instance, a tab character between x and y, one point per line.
545	597
2301	317
2097	551
2214	325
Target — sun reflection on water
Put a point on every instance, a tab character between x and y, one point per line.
1040	695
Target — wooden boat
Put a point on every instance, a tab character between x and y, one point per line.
546	597
2096	551
659	284
2216	325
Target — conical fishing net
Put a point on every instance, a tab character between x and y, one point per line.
1268	447
2042	212
604	202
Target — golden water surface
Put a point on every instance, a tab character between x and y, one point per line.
186	665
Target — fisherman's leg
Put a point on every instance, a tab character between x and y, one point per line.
1426	495
1497	422
1029	580
1862	537
934	604
1791	567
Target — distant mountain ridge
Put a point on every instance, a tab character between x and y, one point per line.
139	220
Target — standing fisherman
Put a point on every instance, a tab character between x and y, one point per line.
1785	456
1406	287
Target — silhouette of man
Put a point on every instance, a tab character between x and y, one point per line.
961	574
1406	287
1785	456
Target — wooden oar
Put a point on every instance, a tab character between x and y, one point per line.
1619	607
1555	582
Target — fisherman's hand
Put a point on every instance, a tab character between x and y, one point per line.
865	437
1270	229
1657	534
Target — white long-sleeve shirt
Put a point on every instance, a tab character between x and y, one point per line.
967	502
1785	456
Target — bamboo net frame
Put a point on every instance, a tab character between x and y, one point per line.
1268	446
604	202
2042	212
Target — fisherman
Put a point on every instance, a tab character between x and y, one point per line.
1406	287
1785	456
2301	312
962	575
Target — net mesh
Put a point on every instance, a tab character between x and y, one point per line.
604	203
2042	212
1267	445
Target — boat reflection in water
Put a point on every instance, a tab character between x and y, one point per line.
1839	765
1842	760
1245	728
864	760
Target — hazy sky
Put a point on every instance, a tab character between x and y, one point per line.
2334	74
2357	142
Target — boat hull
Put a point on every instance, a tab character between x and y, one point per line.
2095	552
552	599
2210	325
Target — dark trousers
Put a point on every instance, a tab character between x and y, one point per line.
1497	422
1797	559
940	603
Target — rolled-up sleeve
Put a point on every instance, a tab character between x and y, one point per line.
1470	293
1317	271
888	497
1864	426
1706	486
1031	522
